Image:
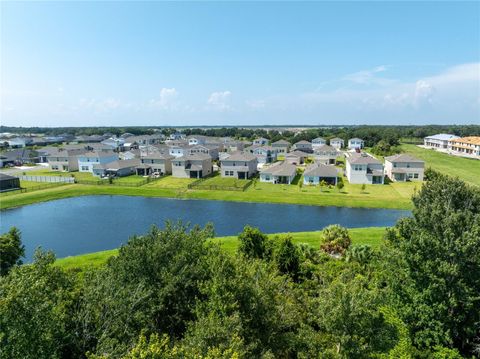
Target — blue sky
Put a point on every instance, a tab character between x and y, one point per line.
224	63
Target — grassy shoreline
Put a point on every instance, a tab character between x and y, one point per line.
372	236
387	197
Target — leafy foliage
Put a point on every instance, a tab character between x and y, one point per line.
11	250
335	239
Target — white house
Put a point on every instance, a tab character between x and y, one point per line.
304	146
438	141
87	160
318	142
260	141
355	143
196	140
337	143
361	168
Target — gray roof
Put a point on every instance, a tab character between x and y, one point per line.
281	142
296	154
318	139
281	169
241	156
362	159
194	156
98	154
442	137
403	157
159	156
337	139
326	148
355	139
321	170
303	142
116	165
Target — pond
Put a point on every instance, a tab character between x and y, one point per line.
93	223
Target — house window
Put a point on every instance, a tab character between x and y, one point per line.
84	168
415	175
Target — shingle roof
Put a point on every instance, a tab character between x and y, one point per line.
194	156
116	165
281	142
326	148
336	139
362	158
321	170
303	142
281	169
403	157
240	156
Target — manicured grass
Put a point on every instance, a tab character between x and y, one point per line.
171	182
133	179
85	176
372	236
466	169
222	182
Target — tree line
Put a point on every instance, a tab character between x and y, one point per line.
173	293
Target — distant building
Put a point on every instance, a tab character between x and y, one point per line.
465	145
303	146
281	146
438	141
325	154
318	142
116	168
155	163
337	143
260	141
355	143
403	167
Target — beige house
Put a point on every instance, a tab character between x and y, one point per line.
403	167
155	163
465	145
241	165
197	165
279	173
60	159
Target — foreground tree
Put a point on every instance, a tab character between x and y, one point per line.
35	311
335	239
11	250
254	243
152	285
287	257
434	265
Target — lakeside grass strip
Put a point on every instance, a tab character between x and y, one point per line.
372	236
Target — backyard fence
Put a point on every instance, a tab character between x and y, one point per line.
34	188
48	179
117	182
199	184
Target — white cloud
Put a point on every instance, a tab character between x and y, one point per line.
368	77
424	92
168	99
219	101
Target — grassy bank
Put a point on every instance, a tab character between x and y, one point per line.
466	169
372	236
396	195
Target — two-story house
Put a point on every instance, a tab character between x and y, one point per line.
361	168
155	162
465	145
177	151
261	141
303	146
87	160
281	146
403	167
211	150
337	143
197	165
355	144
325	154
241	165
66	160
318	142
196	140
264	154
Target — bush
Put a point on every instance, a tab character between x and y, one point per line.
335	240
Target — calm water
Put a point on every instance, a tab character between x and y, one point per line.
87	224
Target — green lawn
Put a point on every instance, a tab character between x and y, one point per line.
133	179
85	176
466	169
171	182
220	181
372	236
